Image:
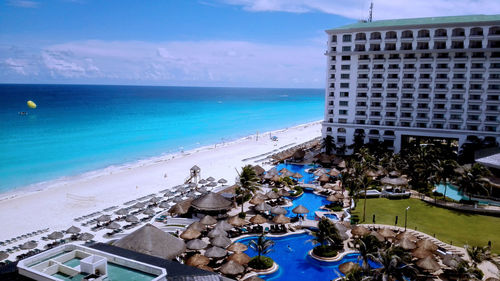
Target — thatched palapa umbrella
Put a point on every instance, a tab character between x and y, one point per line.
407	244
86	236
334	172
222	181
429	264
220	241
208	220
211	202
297	176
360	231
29	245
332	198
276	178
378	236
210	179
263	207
237	247
202	181
73	230
394	181
387	233
272	195
283	192
149	212
197	260
348	267
104	218
154	200
232	268
197	226
152	241
190	234
300	210
181	208
215	252
113	225
258	219
339	195
237	221
239	257
164	205
281	219
277	210
217	232
406	235
258	170
254	278
421	253
212	184
122	212
3	255
196	244
139	205
55	235
223	225
427	245
324	178
257	200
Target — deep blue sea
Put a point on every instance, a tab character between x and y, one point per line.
81	128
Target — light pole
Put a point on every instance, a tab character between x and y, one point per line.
406	215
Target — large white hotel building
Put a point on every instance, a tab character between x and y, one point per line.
431	77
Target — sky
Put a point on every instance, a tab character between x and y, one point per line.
234	43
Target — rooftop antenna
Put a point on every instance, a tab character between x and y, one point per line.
370	17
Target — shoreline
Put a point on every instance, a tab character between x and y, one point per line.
59	202
34	188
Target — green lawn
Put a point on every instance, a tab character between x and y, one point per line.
448	226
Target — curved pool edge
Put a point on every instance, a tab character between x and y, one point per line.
338	257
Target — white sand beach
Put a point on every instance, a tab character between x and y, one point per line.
56	206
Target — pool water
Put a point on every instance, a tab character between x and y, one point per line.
291	254
115	273
73	262
332	216
309	200
453	193
301	169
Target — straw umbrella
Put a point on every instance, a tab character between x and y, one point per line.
283	192
284	171
342	230
276	178
281	219
451	260
258	219
55	235
427	245
332	198
387	233
113	225
360	231
73	230
297	176
215	252
324	178
394	181
223	225
407	244
180	208
406	235
339	195
278	210
378	236
217	232
240	258
220	241
208	220
197	260
202	181
237	221
139	205
300	210
86	236
256	200
348	267
272	195
164	205
318	172
206	268
211	202
29	245
210	179
3	255
258	170
149	212
197	226
190	234
154	200
429	264
263	207
334	172
232	268
196	244
237	247
254	278
122	212
104	218
222	181
421	253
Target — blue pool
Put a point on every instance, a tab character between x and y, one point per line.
309	200
297	264
453	193
332	216
301	169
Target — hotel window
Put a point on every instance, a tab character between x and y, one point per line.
479	86
332	94
424	33
375	36
455	117
346	38
421	125
374	122
460	55
477	65
437	126
439	45
490	87
344	94
407	34
495	65
442	76
363	66
473	117
457	44
410	56
344	85
360	122
476	76
393	66
440	86
407	96
341	139
442	65
491	118
328	129
343	103
490	128
439	116
406	46
360	113
376	95
443	56
374	113
390	35
341	130
475	44
458	86
345	67
390	123
360	36
456	106
405	124
364	57
425	66
440	33
334	38
377	76
346	48
406	105
439	106
422	46
491	108
478	55
344	75
390	47
376	104
459	66
458	76
421	115
361	95
455	127
456	97
361	103
344	58
362	76
458	32
374	47
406	114
474	107
393	76
472	127
342	120
422	105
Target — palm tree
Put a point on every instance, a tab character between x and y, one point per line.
463	272
326	234
364	181
358	141
366	246
261	245
248	183
472	180
444	172
356	275
329	144
478	254
393	265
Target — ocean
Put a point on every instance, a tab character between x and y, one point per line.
76	129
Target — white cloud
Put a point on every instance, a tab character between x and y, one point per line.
23	3
383	9
201	63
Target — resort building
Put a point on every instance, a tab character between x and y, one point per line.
391	80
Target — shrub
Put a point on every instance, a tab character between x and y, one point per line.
275	190
325	251
261	263
478	273
335	208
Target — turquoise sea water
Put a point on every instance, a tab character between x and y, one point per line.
81	128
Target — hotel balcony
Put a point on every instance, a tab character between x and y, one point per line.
442	80
441	90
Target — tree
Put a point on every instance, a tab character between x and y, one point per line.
329	144
366	246
444	172
478	254
326	234
356	275
393	264
472	180
248	183
358	141
464	272
261	245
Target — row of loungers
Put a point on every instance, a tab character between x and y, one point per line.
22	237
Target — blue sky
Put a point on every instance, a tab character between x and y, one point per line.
259	43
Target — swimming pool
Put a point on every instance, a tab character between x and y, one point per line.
453	193
301	169
309	200
332	216
296	264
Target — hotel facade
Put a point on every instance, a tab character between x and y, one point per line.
428	77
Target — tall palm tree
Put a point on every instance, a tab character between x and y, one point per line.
364	181
472	180
463	272
248	183
365	162
356	275
329	144
444	172
478	254
261	245
326	234
393	266
366	246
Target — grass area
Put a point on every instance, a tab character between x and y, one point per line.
448	226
